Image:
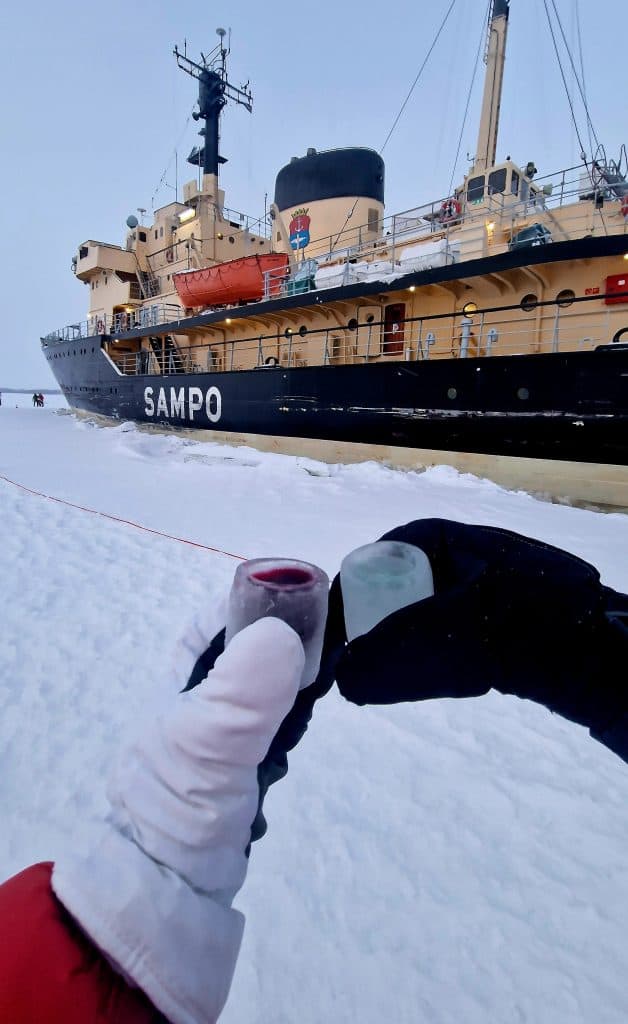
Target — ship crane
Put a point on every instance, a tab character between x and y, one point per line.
214	90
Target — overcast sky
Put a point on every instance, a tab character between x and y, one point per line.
93	107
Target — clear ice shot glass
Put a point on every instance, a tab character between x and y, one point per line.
294	591
379	579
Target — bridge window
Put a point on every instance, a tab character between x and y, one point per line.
475	189
514	184
497	181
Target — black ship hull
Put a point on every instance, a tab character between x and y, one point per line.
571	406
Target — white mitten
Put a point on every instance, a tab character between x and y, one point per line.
154	892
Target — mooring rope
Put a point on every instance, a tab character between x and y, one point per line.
119	519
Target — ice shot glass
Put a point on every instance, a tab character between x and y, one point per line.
379	579
294	591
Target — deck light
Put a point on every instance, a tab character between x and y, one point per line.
228	320
626	255
187	215
412	288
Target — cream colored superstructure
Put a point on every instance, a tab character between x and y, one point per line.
463	315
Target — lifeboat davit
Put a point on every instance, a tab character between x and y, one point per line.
240	280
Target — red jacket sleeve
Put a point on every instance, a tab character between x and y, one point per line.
50	972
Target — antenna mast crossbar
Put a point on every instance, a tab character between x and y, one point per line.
214	91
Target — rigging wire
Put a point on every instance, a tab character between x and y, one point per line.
562	73
466	109
402	108
419	73
584	88
575	72
162	180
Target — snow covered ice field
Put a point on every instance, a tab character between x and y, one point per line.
452	861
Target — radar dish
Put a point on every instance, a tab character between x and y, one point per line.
132	221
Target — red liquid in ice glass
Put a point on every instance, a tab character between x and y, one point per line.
288	577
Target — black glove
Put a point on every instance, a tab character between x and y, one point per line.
508	612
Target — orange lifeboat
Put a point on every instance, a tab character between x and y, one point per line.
240	280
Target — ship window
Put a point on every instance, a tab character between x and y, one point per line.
566	297
156	233
279	236
231	239
514	184
161	231
475	189
142	236
302	330
373	219
529	302
83	251
497	181
353	324
452	393
92	285
523	393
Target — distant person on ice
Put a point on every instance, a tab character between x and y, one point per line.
140	927
35	398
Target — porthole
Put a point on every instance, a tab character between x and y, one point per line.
529	302
470	308
231	239
565	298
523	394
452	393
302	330
353	324
370	318
288	332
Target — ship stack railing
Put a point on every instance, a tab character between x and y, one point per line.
244	222
498	216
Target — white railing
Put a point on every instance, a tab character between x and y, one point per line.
548	327
116	323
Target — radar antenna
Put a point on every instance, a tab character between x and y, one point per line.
214	90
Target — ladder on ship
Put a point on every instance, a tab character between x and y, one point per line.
168	355
149	284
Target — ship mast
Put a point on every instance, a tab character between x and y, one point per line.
214	89
494	60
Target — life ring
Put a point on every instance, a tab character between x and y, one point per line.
100	327
169	254
624	207
450	210
618	335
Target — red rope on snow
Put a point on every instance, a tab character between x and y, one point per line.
118	519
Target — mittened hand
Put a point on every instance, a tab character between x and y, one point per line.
508	612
